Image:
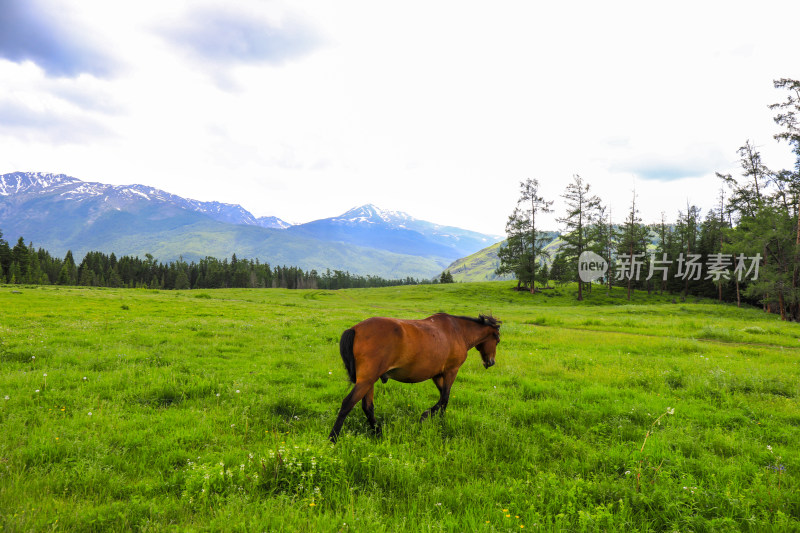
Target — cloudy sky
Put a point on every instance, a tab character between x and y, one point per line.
302	110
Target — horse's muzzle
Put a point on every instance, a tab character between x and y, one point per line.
487	364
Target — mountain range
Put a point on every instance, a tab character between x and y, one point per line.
60	213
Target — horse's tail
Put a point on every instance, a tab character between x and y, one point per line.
346	351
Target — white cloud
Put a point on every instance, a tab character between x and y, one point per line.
437	109
54	39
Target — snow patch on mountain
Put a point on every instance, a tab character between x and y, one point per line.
371	214
116	196
20	182
273	222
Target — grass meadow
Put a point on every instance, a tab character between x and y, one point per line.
209	410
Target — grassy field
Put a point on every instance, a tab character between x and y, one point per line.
152	410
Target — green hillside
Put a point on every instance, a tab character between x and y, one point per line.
479	266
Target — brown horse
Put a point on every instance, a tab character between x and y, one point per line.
411	351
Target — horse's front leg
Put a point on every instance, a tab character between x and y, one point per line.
444	396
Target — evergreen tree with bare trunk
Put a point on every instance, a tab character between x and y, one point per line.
523	254
788	118
632	246
581	211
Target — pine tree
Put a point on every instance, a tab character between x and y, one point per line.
114	279
544	276
86	278
712	239
523	253
663	252
19	255
602	239
15	274
788	118
513	253
560	271
688	258
770	232
581	211
34	274
69	272
765	226
182	280
5	259
632	246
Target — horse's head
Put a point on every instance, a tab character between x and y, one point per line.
487	349
488	346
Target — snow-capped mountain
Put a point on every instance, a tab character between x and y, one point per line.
396	231
22	182
272	222
59	212
67	188
370	214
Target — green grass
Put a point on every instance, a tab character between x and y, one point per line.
211	409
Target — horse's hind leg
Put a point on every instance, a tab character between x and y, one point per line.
369	410
359	391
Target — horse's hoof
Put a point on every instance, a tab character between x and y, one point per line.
424	416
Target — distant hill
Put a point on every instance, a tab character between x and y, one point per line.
60	213
481	265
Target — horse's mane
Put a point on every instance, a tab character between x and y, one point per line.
487	320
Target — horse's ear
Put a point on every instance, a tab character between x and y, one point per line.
489	320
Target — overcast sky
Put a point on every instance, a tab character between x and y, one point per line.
304	109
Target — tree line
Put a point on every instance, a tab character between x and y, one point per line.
23	264
746	248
